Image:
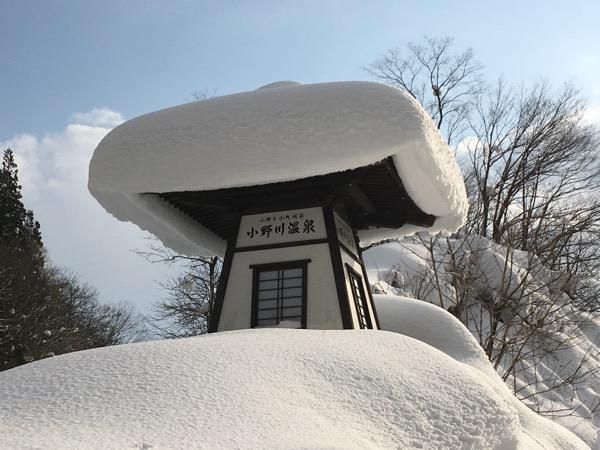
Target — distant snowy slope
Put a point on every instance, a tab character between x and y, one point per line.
275	389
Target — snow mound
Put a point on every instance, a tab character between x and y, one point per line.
281	132
271	389
278	84
434	326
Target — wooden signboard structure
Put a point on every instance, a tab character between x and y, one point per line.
282	181
293	258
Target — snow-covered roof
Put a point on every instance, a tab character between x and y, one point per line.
284	131
353	389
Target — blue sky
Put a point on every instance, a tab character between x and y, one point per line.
135	56
64	59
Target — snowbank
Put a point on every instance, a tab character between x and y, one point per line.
431	325
571	352
281	132
276	389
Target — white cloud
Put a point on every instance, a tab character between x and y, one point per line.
591	115
56	159
98	117
464	148
78	233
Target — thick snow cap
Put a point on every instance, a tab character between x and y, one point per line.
281	132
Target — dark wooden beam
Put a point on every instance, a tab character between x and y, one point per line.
358	196
373	196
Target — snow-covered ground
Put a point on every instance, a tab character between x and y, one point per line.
430	388
559	373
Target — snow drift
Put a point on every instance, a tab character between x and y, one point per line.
278	389
281	132
561	377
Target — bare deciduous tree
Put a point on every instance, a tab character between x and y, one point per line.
190	296
68	317
532	173
534	167
443	82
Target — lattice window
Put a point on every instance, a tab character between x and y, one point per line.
360	299
279	298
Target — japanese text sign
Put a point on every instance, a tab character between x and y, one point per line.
345	234
281	227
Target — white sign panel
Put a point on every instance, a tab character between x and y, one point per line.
281	227
345	234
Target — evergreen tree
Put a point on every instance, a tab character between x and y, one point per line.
17	225
21	265
44	310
